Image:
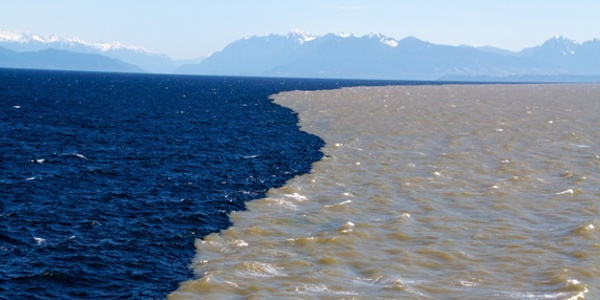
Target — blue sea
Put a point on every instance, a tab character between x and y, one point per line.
107	180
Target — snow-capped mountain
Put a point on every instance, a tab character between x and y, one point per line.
567	55
28	41
301	36
301	54
139	56
375	56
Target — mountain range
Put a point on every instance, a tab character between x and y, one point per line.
299	54
53	59
376	56
143	59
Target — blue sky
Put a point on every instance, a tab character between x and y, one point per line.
194	28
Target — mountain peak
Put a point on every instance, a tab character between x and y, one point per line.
345	35
31	42
8	36
301	36
561	41
390	42
29	37
560	45
375	35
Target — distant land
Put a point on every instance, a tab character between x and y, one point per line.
52	59
301	55
145	60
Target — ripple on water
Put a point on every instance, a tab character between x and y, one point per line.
425	192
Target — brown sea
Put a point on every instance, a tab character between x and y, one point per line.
425	192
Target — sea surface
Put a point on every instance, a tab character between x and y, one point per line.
424	192
107	180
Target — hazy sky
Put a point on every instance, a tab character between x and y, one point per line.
193	28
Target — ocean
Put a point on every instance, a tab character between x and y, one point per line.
424	192
107	180
133	186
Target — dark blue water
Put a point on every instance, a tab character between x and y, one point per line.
106	180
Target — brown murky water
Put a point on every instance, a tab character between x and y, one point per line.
426	192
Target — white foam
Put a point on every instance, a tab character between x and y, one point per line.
39	241
297	197
260	269
580	146
569	191
79	155
339	204
468	283
313	288
283	203
238	243
346	227
580	295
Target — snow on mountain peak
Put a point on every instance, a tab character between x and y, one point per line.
390	42
28	37
301	36
344	35
7	36
376	35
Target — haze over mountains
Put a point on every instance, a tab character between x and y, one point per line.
143	59
298	54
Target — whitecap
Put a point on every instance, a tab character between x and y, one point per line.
260	269
339	204
468	283
297	197
346	227
17	106
313	288
569	191
79	155
282	203
580	146
238	243
39	241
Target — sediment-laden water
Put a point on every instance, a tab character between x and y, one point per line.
106	180
425	192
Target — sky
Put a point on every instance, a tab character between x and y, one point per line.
185	29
